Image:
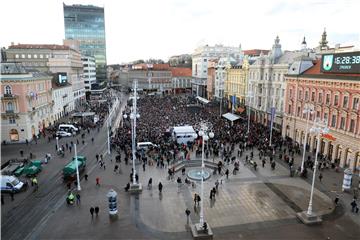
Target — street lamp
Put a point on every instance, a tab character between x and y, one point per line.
77	169
319	128
135	187
308	109
57	143
206	133
249	96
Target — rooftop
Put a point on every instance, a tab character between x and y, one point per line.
40	46
181	72
255	52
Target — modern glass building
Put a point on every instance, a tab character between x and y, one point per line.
86	23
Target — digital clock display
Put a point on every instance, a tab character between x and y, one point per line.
341	62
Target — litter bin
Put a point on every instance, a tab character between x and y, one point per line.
112	198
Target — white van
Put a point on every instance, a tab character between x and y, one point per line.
184	134
145	145
68	128
11	184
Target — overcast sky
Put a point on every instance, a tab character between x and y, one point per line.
142	29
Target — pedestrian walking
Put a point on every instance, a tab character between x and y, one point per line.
35	183
353	205
160	187
336	200
217	185
143	166
78	198
97	211
150	183
86	177
227	173
97	181
116	167
320	177
187	212
92	212
263	162
195	199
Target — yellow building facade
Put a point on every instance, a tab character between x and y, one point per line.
236	84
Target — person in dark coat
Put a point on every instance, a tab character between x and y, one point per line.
160	187
92	212
97	210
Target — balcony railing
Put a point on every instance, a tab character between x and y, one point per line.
9	96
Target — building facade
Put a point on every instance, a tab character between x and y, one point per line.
236	84
181	79
86	23
26	103
53	59
267	85
200	59
335	98
89	72
211	79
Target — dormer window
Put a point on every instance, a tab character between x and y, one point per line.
8	90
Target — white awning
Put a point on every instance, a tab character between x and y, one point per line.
230	116
203	100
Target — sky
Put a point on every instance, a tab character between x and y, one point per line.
143	29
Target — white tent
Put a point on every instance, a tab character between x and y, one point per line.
203	100
231	117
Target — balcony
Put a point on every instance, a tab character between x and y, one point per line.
8	97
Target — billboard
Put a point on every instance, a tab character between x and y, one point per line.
348	62
61	78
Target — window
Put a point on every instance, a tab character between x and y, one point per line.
318	114
320	97
328	98
336	100
12	120
300	95
22	55
306	95
41	56
345	101
333	120
8	90
313	96
352	125
342	123
29	55
16	55
298	111
290	93
10	106
289	110
355	104
35	55
326	115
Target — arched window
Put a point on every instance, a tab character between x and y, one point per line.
8	90
10	106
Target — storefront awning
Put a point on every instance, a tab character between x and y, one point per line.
231	117
203	100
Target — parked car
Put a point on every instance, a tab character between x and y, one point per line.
63	134
11	184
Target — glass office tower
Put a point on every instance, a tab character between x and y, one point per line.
86	23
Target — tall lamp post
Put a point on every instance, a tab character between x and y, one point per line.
206	133
134	187
309	217
249	96
77	169
308	109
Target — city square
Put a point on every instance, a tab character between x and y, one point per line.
222	143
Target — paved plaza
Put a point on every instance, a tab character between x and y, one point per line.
248	200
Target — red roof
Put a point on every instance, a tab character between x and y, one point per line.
181	72
144	66
39	46
255	52
315	70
